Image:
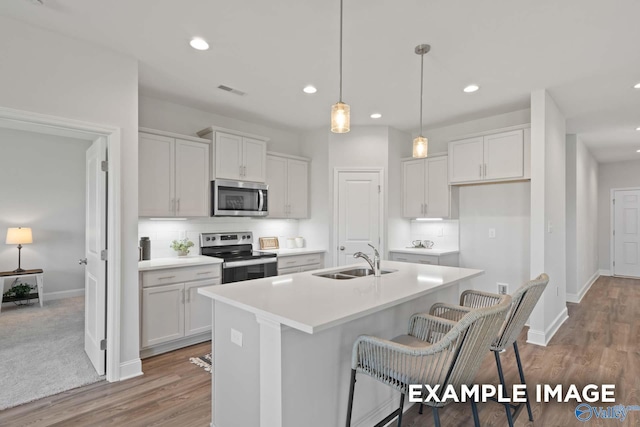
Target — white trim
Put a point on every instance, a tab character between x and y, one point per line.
212	129
382	411
491	132
543	338
50	296
173	135
36	122
382	219
130	369
577	298
288	156
603	272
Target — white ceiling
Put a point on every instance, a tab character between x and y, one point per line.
583	51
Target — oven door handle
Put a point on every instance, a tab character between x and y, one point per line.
260	200
234	264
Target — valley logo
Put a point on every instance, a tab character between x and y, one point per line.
584	412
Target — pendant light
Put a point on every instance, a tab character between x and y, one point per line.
421	144
340	112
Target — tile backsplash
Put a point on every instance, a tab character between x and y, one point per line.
161	233
444	234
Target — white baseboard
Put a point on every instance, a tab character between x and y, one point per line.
542	338
130	369
50	296
605	272
576	298
382	411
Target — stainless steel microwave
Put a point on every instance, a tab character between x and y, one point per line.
239	198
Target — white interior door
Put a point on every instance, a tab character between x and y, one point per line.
358	214
95	277
626	233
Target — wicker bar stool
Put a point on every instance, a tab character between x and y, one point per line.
523	302
435	351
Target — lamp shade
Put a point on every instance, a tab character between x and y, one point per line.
420	147
340	118
19	236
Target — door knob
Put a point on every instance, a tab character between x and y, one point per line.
342	248
82	261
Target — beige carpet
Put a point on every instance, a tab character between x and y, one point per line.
42	351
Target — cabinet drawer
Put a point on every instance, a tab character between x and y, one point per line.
299	260
416	259
179	275
289	270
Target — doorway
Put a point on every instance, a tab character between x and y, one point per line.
625	243
108	214
358	213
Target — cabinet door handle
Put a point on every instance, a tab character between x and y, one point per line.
244	171
425	262
188	295
426	208
240	170
401	259
485	169
480	166
182	292
166	277
205	272
178	206
290	262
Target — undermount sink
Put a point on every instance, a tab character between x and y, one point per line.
351	273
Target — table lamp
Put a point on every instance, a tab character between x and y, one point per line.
19	236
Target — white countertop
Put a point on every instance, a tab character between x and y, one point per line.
290	252
187	261
425	251
311	304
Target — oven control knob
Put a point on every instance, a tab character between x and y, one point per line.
246	237
213	238
208	238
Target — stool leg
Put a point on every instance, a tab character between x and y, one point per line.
420	409
401	408
436	416
474	410
521	371
504	387
352	387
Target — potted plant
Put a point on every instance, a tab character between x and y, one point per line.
21	291
182	246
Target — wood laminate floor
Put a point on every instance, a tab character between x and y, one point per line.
599	343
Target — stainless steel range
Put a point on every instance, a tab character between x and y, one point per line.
241	262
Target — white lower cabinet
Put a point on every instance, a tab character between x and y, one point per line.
450	260
300	263
174	313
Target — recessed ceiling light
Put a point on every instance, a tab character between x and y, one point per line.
309	89
199	44
471	88
637	86
376	115
638	128
637	151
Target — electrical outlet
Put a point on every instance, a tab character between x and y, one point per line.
440	232
492	233
503	288
550	227
236	337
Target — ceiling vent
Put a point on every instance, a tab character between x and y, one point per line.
232	90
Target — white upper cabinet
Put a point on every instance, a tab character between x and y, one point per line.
425	188
288	180
192	178
173	176
501	156
237	155
156	174
228	155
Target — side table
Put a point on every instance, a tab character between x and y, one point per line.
11	275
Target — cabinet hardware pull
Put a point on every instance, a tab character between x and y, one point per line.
240	173
426	208
183	295
205	272
401	259
480	166
485	169
290	262
311	259
188	295
166	277
425	262
178	207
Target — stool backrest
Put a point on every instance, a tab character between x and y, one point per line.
523	303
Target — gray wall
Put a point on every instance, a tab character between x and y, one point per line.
44	188
612	175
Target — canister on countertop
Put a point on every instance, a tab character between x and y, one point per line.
145	245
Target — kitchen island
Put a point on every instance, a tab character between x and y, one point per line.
282	345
